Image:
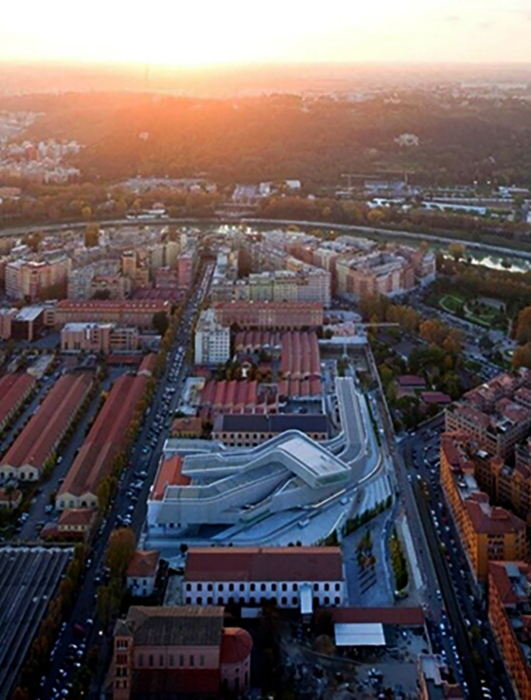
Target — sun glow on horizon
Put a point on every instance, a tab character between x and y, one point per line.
170	33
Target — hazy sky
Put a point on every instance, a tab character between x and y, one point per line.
188	32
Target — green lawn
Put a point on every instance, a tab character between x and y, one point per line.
452	303
481	314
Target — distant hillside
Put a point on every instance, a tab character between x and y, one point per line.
279	137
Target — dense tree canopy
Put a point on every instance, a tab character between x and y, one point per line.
287	136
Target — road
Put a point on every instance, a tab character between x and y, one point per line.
462	603
85	607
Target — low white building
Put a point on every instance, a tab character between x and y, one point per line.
294	577
212	340
142	573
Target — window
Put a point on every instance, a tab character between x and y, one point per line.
121	659
337	600
294	600
140	660
188	601
181	659
121	643
231	586
338	586
242	587
191	659
284	586
263	587
284	600
209	587
220	587
327	586
253	587
188	586
151	659
201	660
273	586
295	587
199	600
172	660
199	586
161	660
209	600
315	586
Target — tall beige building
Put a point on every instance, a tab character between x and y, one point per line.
30	278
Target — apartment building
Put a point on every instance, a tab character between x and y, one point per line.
161	651
376	273
496	415
488	533
508	484
110	286
6	323
29	279
435	680
509	608
99	337
212	340
185	269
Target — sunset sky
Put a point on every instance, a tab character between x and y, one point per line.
179	33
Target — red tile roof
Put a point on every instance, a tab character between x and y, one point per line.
410	380
236	645
144	564
148	364
492	520
13	387
435	397
77	516
187	425
408	617
300	358
42	433
264	564
106	437
500	579
169	474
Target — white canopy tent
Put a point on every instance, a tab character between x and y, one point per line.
359	634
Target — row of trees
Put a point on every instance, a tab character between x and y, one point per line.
353	524
88	202
358	213
399	562
377	308
120	551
